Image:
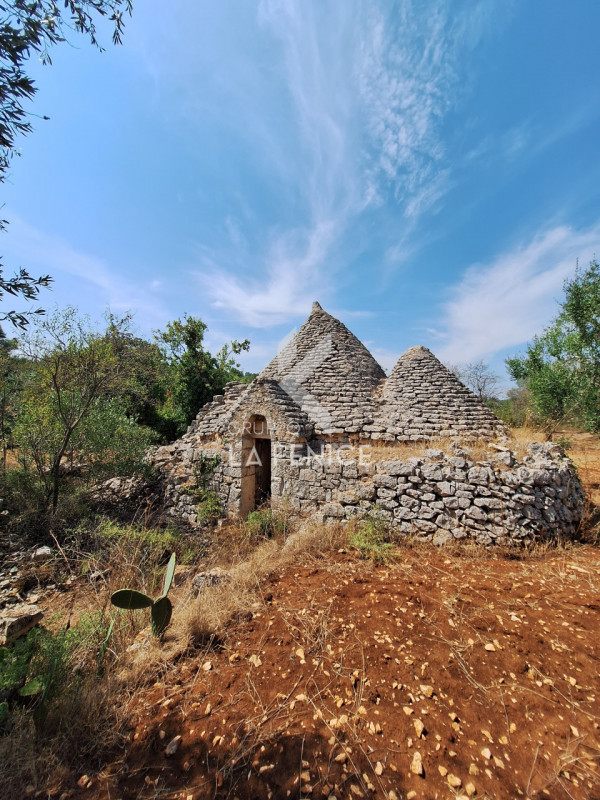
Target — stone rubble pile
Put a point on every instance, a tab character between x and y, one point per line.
20	575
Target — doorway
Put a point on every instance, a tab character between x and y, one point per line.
256	465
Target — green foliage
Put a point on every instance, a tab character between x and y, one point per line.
561	368
196	375
15	660
514	410
161	612
209	507
169	575
34	27
148	547
28	29
265	523
160	609
369	537
130	599
44	666
111	443
70	422
104	645
564	442
10	381
204	467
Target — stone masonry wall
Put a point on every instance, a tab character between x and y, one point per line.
438	496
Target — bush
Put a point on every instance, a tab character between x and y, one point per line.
264	523
209	507
69	718
37	670
370	539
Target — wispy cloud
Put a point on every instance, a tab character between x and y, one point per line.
367	89
44	253
506	302
293	280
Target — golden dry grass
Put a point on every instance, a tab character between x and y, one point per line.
477	449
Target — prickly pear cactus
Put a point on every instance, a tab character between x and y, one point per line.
130	599
160	610
161	615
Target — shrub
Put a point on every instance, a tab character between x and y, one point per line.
209	507
40	668
370	539
264	523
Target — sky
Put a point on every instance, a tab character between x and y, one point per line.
428	172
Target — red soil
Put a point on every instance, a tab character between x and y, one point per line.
487	667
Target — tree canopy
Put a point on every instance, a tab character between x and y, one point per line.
195	374
561	367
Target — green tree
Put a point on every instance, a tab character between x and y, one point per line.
28	28
9	388
195	374
561	367
144	392
69	406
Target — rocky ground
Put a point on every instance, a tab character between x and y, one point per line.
441	674
433	677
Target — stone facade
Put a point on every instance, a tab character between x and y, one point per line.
286	439
437	496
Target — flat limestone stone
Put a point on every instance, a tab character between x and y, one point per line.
16	622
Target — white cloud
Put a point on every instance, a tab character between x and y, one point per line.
505	303
45	253
368	87
293	281
409	78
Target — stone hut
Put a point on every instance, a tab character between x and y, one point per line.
302	434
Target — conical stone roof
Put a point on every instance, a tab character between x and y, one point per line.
329	374
422	399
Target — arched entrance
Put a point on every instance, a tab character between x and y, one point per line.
256	464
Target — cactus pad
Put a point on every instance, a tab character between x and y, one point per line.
169	575
161	615
130	599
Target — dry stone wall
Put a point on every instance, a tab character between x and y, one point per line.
437	496
323	391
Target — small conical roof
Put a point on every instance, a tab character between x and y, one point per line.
329	373
422	394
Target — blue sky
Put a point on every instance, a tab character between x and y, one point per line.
428	171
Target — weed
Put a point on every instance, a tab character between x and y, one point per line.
38	669
264	523
209	507
204	467
564	442
370	539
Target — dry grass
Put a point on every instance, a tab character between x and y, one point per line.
202	622
209	615
476	449
84	728
88	726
